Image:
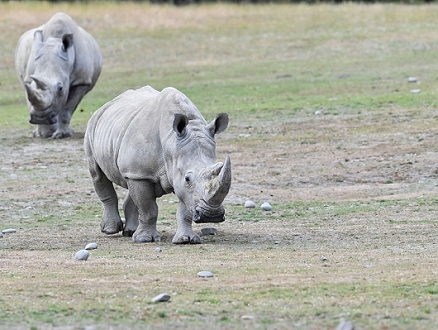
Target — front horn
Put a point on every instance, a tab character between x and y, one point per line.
220	184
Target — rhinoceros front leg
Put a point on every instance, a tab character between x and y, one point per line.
142	194
131	216
111	221
185	233
63	129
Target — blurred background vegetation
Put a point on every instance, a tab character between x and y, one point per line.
187	2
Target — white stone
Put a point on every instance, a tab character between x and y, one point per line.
415	91
247	317
82	255
162	297
266	206
91	246
412	79
250	204
205	273
9	231
158	249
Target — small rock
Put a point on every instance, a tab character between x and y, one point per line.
415	91
91	246
266	206
318	113
345	325
82	255
158	249
205	273
412	79
9	231
247	317
209	231
323	259
250	204
162	297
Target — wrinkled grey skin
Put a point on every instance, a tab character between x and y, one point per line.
154	143
57	64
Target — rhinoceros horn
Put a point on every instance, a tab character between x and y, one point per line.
35	91
220	183
39	83
31	95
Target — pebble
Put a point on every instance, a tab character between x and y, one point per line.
82	255
205	273
345	325
209	231
250	204
412	79
158	249
162	297
9	231
266	206
247	317
318	113
91	246
415	91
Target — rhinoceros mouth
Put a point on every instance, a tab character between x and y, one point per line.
45	117
206	213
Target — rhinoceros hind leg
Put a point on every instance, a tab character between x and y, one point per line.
111	222
131	215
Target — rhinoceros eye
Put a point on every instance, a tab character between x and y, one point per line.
188	178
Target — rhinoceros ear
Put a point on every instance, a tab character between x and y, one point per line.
180	123
38	36
218	125
67	41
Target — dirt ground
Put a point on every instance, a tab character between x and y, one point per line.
336	161
328	158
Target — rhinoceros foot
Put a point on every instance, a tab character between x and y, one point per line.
44	131
61	134
111	227
146	236
128	233
186	239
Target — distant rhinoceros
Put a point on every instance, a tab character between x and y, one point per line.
154	143
57	64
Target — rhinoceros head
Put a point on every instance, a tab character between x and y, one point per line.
199	182
48	86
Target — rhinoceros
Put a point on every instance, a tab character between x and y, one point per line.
57	64
154	143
